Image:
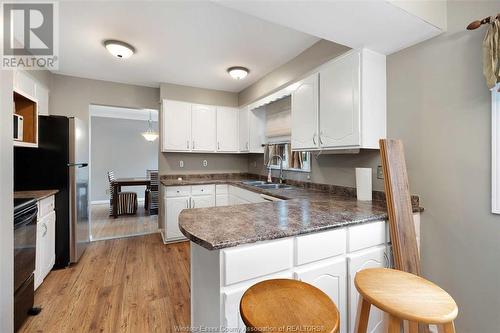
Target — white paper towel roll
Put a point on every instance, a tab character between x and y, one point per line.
364	184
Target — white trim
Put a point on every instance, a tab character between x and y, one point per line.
495	150
105	111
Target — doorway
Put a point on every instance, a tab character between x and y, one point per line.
123	154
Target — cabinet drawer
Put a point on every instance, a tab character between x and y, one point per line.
248	262
45	206
177	191
221	189
319	246
366	235
202	189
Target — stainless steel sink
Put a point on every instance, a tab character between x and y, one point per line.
271	186
254	182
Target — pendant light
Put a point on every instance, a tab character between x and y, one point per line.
150	134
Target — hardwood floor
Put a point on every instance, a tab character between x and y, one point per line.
134	284
104	227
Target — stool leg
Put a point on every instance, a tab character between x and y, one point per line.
447	328
410	327
362	315
394	325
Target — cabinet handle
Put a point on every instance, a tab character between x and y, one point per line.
193	144
247	145
187	144
187	203
319	137
45	231
218	145
192	201
314	138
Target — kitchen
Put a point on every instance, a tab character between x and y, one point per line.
218	142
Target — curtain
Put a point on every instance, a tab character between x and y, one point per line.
284	150
491	53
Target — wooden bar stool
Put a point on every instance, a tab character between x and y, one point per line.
283	305
403	296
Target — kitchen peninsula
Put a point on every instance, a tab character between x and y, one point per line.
315	233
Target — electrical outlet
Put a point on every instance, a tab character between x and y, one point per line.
254	164
181	164
205	163
380	172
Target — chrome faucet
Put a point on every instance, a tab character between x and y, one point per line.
281	166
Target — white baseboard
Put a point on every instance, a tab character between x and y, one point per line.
100	202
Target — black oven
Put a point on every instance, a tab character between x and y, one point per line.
25	215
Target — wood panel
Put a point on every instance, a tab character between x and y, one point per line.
133	284
397	190
27	108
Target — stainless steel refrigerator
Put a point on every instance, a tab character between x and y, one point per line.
60	162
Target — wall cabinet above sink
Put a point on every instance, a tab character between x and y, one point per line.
342	105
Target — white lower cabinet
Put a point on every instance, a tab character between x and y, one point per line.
371	258
45	240
173	207
330	277
202	201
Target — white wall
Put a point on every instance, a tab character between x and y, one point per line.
117	145
6	204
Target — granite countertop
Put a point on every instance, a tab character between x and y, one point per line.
38	194
304	210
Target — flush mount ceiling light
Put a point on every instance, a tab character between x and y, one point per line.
119	49
238	72
150	134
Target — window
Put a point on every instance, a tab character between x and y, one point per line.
292	161
495	150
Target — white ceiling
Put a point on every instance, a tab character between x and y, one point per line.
378	25
183	42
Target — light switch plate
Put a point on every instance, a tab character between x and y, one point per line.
181	164
380	172
205	163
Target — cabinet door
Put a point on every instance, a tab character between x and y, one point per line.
24	83
227	129
256	129
330	277
173	207
176	126
370	258
339	102
305	114
41	229
222	200
42	95
231	310
203	201
203	128
243	130
49	243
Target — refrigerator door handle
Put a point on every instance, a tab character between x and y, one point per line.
80	165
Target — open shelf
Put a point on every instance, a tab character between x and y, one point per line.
28	108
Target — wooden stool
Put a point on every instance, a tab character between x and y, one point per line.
403	296
284	305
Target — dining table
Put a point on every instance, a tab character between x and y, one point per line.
117	187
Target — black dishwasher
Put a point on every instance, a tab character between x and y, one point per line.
25	214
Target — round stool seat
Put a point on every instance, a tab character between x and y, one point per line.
406	296
283	305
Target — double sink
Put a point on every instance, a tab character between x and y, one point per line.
267	186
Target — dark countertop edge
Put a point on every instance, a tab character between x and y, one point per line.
247	241
36	194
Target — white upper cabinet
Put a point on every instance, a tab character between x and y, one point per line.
203	128
24	83
256	129
243	130
42	95
227	129
349	108
176	126
305	113
340	103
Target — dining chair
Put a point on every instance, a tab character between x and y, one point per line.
126	201
151	197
